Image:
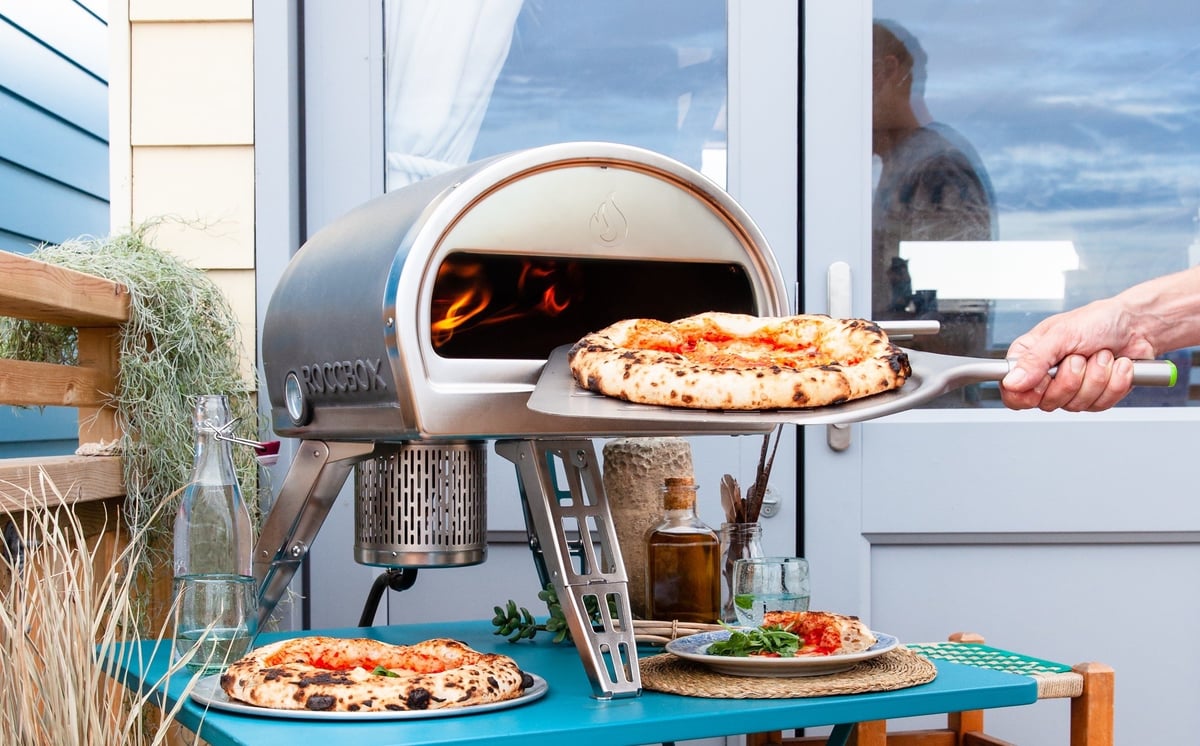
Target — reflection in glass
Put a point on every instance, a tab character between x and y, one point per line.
473	78
1086	121
932	186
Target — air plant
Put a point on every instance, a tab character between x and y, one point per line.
181	340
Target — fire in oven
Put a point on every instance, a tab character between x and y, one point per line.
499	306
410	333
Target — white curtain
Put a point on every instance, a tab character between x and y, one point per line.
443	59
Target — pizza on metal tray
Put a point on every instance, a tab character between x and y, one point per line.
739	362
363	675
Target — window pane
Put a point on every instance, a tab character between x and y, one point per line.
1082	118
474	78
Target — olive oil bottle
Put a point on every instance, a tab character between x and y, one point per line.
683	560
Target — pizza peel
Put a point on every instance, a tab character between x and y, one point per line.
933	374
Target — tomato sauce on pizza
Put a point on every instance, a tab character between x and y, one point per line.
736	361
362	675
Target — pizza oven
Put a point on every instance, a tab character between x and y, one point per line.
408	335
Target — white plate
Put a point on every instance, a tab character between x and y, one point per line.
695	648
208	692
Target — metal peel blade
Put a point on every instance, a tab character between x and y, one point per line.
556	393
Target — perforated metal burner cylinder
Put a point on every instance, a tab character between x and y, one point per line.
422	506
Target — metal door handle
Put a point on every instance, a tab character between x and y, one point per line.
838	305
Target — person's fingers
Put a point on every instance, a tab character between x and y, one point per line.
1093	383
1020	390
1065	384
1120	381
1032	356
1024	399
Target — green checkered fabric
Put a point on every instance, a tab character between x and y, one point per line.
1054	679
985	656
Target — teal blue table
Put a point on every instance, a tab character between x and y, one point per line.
568	713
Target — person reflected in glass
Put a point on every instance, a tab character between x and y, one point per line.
932	185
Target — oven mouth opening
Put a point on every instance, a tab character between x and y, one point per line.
506	306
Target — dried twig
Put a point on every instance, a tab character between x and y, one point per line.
758	489
731	500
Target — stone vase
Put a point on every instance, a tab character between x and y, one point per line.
634	472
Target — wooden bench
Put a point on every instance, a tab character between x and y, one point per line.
96	308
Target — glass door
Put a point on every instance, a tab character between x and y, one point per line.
986	165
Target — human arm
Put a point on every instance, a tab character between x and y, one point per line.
1093	345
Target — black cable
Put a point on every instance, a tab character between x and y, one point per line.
397	578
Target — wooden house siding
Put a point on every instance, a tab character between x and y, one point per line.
53	123
54	159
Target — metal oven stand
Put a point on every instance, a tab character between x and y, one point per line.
570	532
574	545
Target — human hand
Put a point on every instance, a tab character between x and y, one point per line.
1091	346
1080	384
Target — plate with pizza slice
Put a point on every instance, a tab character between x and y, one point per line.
801	643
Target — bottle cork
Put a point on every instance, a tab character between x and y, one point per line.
679	493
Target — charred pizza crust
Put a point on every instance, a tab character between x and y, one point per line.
823	632
739	362
336	674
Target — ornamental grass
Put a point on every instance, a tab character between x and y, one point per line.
67	615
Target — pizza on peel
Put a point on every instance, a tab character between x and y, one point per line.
730	361
363	675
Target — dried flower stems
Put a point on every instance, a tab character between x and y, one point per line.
739	509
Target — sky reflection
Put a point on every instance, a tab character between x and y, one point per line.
1087	116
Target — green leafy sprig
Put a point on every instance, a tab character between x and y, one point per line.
770	641
517	623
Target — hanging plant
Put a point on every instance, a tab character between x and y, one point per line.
181	340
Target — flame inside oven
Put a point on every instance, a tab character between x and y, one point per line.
466	296
504	306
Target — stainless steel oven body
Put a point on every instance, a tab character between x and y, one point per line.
417	326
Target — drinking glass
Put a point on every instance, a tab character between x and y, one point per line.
216	617
762	584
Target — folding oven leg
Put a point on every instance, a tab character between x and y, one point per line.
305	497
606	644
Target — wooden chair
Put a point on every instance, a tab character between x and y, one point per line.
1089	685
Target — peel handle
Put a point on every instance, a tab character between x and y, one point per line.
1145	372
1155	373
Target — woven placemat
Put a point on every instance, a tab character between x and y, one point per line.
896	669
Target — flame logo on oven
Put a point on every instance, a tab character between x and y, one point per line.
608	223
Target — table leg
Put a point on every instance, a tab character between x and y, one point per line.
840	735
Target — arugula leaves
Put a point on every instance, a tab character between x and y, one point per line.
770	641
